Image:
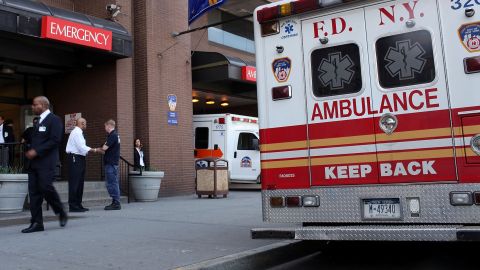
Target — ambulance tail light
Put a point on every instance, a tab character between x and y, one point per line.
472	64
476	197
294	201
277	202
221	121
282	92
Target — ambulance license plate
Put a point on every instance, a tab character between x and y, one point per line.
381	209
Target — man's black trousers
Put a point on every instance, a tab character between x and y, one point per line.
40	186
76	169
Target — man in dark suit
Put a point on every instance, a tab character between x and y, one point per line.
43	155
6	137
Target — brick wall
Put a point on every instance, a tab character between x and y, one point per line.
125	86
134	91
162	68
99	93
93	93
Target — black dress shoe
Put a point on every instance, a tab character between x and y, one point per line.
83	208
63	219
76	209
34	227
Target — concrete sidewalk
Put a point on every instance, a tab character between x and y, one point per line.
169	233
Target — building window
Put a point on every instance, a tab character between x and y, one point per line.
405	59
235	34
245	141
201	138
336	70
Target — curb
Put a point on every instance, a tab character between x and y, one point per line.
259	258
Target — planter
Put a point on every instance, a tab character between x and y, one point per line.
13	191
145	187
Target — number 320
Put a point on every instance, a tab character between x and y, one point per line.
457	4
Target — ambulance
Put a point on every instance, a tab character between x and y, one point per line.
231	137
369	119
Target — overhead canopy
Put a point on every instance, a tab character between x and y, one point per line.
23	48
221	73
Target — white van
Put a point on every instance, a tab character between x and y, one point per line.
231	137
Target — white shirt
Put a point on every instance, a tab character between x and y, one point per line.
76	143
141	157
43	115
2	140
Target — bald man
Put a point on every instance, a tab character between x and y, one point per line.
77	150
43	156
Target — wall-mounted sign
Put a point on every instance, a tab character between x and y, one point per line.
77	33
71	121
172	117
249	73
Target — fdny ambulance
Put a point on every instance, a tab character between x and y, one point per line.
369	118
231	137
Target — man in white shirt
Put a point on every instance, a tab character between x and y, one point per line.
6	137
77	150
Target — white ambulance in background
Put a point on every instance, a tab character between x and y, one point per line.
231	137
369	115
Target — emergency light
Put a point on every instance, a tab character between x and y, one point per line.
295	7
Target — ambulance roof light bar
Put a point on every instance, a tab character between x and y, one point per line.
294	7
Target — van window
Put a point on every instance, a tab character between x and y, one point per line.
245	141
201	138
405	59
336	70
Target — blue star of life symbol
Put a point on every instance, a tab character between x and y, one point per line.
289	28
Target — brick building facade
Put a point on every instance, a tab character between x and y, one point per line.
134	90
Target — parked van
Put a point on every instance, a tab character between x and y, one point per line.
231	137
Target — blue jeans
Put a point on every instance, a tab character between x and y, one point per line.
111	181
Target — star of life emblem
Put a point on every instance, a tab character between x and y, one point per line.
336	71
405	60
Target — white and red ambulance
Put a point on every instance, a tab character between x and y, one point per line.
231	137
369	117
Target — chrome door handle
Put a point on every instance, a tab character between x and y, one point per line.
388	123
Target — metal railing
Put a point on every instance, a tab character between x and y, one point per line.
125	170
12	158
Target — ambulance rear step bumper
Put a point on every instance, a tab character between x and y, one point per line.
373	233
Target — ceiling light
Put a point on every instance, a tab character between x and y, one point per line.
195	100
210	102
7	70
224	104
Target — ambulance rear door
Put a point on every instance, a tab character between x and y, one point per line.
338	94
409	93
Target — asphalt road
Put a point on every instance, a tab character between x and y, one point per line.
389	256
